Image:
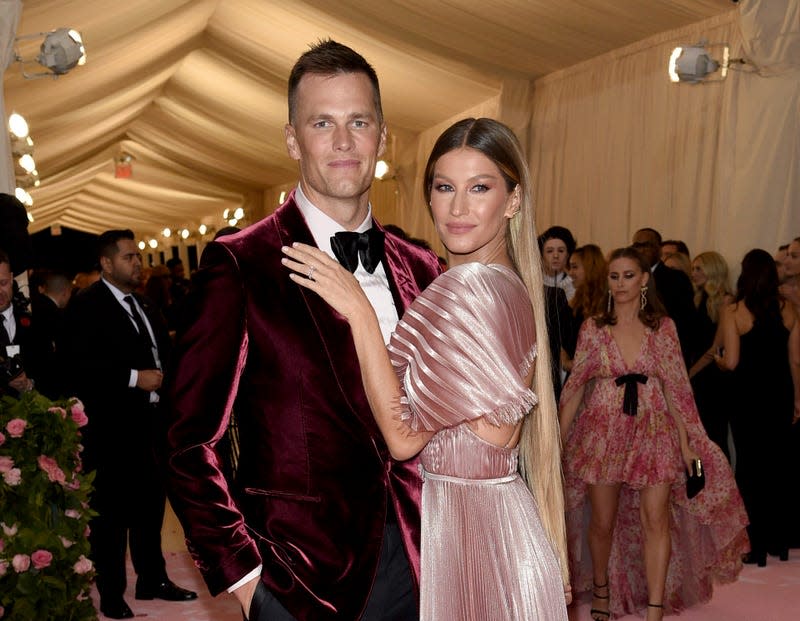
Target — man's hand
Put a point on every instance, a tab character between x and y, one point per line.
149	379
245	594
21	383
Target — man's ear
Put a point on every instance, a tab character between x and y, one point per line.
105	265
291	141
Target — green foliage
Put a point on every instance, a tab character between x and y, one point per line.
44	512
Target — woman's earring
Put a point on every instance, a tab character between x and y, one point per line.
643	297
610	297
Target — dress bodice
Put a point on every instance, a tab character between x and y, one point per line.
459	452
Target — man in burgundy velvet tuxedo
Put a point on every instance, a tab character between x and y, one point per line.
322	524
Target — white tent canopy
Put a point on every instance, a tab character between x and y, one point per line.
195	90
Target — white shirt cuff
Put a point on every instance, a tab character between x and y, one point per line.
133	379
253	574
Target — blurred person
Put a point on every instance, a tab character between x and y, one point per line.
761	345
116	347
627	455
711	386
673	288
18	351
158	287
47	308
456	385
673	246
556	245
780	260
679	261
84	279
588	270
790	286
178	283
322	524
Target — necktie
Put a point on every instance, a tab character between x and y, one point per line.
348	247
144	334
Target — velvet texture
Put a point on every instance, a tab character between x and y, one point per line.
314	472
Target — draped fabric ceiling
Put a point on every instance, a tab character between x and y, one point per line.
195	90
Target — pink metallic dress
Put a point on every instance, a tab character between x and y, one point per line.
462	351
607	445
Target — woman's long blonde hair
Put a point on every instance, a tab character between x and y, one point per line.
717	285
540	442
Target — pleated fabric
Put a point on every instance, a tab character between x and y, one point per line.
462	351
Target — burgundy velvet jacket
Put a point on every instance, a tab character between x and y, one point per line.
314	472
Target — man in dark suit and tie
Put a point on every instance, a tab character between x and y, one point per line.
326	526
673	287
116	348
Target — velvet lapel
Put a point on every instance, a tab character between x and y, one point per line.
333	329
401	282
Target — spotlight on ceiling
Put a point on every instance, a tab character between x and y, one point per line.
61	51
383	170
694	63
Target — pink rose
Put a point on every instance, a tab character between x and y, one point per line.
21	562
50	466
66	542
15	427
87	531
82	565
3	568
13	477
58	410
6	463
78	415
72	513
41	559
74	484
2	438
9	531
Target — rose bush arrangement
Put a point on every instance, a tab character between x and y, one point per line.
45	572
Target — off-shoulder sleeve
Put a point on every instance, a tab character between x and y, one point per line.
586	361
463	349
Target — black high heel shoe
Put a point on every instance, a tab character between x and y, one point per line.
595	613
752	558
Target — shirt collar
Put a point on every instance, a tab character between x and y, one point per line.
9	314
118	293
321	225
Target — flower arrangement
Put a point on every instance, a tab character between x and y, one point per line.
44	511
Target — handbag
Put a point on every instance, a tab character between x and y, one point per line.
695	479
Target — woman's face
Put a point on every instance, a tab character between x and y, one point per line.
792	261
471	206
625	280
554	254
699	277
576	271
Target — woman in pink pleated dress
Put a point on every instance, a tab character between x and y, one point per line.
463	386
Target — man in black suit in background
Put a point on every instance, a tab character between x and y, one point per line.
672	286
116	348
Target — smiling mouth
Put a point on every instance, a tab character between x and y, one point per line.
459	228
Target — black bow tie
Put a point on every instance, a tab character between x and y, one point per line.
348	247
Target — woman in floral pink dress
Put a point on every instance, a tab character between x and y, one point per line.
631	429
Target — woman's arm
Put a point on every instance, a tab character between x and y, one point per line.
729	359
794	365
708	357
568	410
339	288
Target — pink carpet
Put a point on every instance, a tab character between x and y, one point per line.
771	593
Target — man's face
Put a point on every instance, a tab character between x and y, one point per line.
667	250
336	137
124	269
6	286
647	244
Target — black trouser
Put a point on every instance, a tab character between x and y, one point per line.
392	597
130	511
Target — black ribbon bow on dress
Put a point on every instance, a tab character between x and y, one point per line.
348	246
630	403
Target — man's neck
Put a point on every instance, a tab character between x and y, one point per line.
347	212
126	289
